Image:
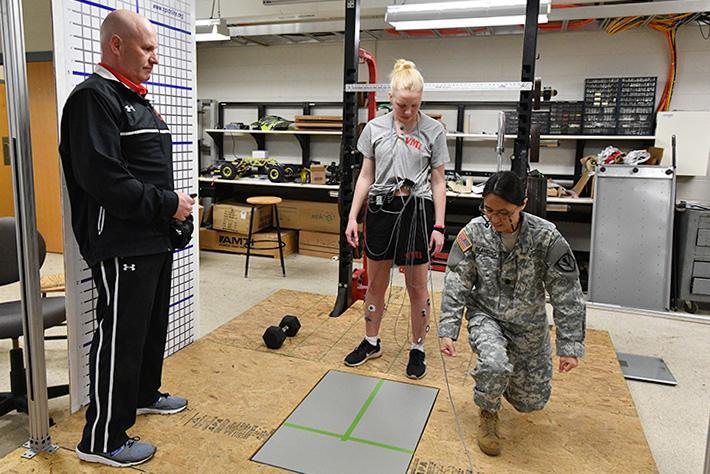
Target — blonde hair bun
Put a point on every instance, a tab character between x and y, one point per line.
406	76
403	64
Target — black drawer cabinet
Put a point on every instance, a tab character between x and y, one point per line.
693	258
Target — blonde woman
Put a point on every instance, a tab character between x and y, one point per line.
403	185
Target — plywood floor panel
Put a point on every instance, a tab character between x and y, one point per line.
240	392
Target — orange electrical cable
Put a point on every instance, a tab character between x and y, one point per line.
572	25
665	101
668	25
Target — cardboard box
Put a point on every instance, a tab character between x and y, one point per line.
234	217
200	213
656	155
207	216
308	215
588	164
317	174
318	244
236	243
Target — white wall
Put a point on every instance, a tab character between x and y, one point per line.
37	22
314	72
37	19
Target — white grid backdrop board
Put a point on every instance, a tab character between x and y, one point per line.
171	90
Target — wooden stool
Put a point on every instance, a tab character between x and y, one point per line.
272	201
51	283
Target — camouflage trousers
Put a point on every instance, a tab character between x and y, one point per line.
512	361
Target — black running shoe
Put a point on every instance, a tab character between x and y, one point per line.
416	368
362	353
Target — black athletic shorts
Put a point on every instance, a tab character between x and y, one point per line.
399	228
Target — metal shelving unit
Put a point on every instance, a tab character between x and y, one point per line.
459	137
272	132
451	135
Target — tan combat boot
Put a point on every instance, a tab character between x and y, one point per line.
488	437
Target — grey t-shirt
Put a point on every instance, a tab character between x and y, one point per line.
509	239
403	156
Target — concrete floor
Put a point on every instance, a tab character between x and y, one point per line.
674	419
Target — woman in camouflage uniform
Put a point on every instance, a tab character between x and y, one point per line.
498	271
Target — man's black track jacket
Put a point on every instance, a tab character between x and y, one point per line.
117	158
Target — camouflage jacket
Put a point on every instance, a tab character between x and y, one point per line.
483	277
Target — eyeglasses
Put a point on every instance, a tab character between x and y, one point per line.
491	213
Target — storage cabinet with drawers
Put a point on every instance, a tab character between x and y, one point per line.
693	258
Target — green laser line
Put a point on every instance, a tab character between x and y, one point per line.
362	411
382	445
353	439
312	430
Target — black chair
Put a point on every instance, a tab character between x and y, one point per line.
53	312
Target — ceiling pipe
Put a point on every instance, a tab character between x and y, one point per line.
630	9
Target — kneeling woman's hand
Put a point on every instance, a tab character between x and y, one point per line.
568	363
447	346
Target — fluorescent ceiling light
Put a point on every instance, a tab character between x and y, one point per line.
630	9
464	22
284	2
211	29
461	14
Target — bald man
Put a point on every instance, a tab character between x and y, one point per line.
116	153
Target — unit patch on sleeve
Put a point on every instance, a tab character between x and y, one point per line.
566	263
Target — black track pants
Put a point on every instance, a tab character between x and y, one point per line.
126	358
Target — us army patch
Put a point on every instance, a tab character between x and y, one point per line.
464	243
463	240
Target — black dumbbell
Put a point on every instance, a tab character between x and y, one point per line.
275	336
